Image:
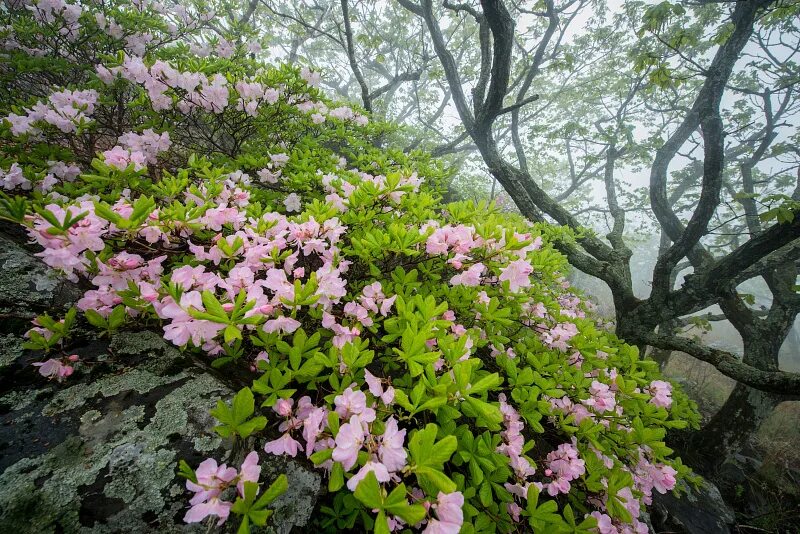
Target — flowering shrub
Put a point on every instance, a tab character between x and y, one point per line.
430	359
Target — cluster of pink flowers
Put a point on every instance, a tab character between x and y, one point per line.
646	477
559	335
148	143
458	239
564	465
15	177
66	110
387	455
52	11
253	94
513	443
567	407
308	419
57	170
115	275
602	397
470	277
195	90
212	481
120	158
137	149
371	302
66	251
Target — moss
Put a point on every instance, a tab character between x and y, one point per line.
10	349
98	453
27	285
116	473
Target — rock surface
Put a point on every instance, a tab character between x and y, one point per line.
698	511
99	452
28	287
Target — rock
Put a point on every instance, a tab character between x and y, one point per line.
698	511
99	452
28	287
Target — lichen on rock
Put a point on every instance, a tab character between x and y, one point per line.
99	453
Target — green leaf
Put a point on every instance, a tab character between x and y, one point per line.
396	504
234	418
369	492
275	490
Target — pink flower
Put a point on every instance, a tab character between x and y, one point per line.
604	523
517	274
661	392
120	158
14	177
602	398
214	506
282	324
381	473
376	388
310	77
350	403
249	471
391	451
566	465
211	481
283	407
292	202
470	278
348	442
449	513
54	369
312	427
558	485
559	335
283	445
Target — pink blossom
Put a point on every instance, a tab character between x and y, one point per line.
348	443
470	278
53	368
14	177
282	324
391	451
283	407
517	273
214	506
602	399
350	403
250	471
266	176
566	465
292	202
449	513
559	335
310	77
376	388
211	480
283	445
661	392
605	524
312	427
379	469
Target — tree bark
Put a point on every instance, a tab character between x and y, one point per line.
732	428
